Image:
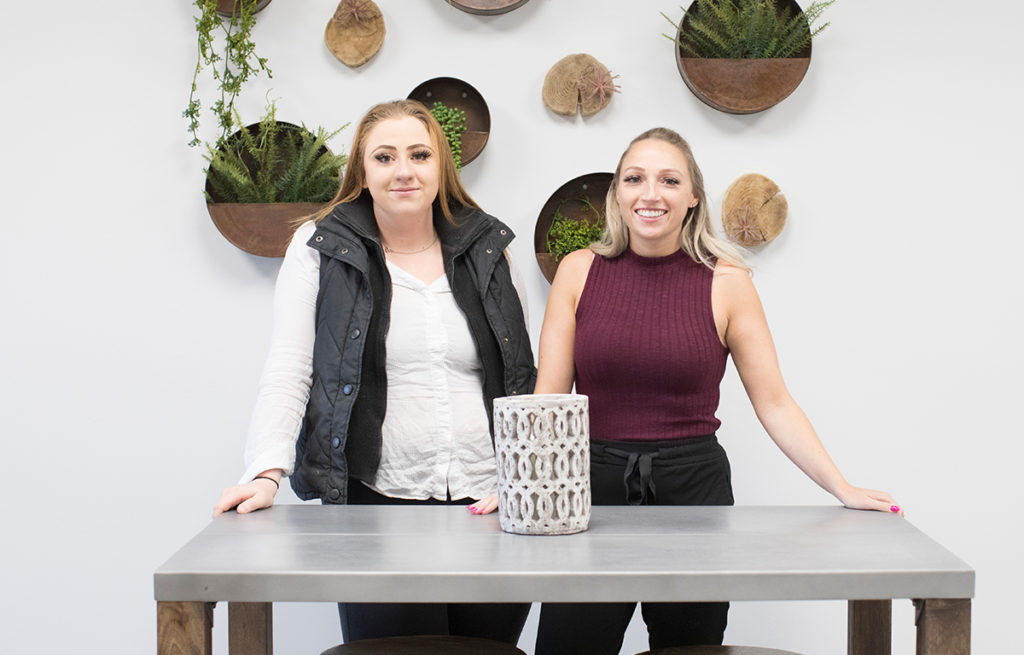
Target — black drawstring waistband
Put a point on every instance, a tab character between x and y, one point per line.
640	455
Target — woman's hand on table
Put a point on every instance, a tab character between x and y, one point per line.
249	497
870	499
485	505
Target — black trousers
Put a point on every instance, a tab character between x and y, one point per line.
681	472
498	621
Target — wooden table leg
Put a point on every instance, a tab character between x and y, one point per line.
943	626
250	629
869	627
184	628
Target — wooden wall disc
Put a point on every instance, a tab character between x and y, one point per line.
578	83
356	32
753	210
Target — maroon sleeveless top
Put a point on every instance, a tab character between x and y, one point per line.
647	351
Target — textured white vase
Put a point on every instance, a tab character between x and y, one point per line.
542	446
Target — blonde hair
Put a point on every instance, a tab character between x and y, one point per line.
696	237
450	192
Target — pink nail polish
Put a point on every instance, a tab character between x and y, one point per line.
894	508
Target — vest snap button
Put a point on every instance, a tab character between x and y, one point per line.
355	334
344	251
334	494
319	239
335	442
347	389
490	250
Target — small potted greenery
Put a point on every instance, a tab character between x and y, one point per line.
570	220
266	176
744	56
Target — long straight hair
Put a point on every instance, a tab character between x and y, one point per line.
450	192
696	236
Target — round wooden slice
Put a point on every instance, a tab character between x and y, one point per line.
753	210
356	32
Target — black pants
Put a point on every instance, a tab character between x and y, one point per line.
684	472
498	621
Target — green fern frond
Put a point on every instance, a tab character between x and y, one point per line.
754	29
274	162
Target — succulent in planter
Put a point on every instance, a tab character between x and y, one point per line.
453	122
231	67
568	234
747	29
273	162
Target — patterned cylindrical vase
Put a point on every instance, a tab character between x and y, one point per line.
542	446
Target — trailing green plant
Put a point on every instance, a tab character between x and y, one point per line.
568	234
275	162
746	29
453	122
231	67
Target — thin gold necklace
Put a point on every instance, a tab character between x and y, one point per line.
391	251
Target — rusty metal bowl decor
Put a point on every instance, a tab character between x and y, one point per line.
227	7
453	92
742	86
593	186
487	7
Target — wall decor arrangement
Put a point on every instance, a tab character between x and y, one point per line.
455	94
753	210
266	177
580	83
487	7
355	32
571	219
744	56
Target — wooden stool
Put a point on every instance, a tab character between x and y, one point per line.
717	650
424	645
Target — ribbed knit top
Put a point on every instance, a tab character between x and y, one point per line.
647	351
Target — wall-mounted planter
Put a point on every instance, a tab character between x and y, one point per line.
742	86
487	7
227	7
453	92
261	228
566	199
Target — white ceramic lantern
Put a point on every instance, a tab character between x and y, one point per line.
542	446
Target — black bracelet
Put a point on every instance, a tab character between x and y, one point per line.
263	477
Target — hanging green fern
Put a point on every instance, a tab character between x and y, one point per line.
275	162
746	29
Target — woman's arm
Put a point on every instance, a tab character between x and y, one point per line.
744	330
556	371
284	383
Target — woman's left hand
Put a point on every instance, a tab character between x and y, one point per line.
857	498
485	505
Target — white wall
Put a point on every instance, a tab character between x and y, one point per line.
133	333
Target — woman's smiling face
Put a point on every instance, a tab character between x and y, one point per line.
655	195
402	170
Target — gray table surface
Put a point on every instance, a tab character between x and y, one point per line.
446	554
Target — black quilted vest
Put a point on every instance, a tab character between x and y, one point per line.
341	431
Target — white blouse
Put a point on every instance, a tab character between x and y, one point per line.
435	434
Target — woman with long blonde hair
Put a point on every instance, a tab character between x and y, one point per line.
643	323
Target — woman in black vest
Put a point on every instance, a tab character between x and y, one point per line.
396	323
